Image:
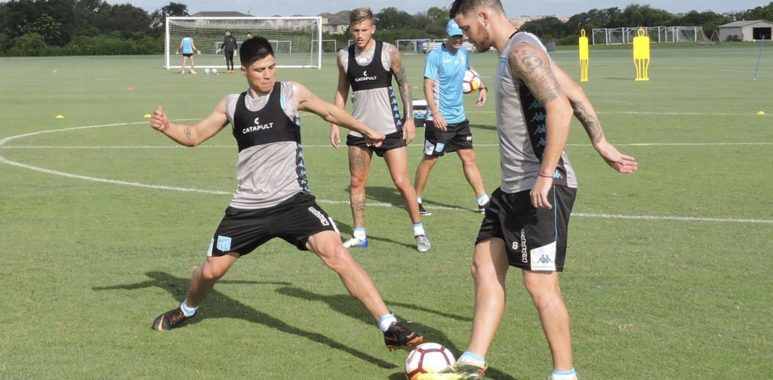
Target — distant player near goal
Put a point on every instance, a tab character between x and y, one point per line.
272	198
188	48
449	131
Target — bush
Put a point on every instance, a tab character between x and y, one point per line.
30	44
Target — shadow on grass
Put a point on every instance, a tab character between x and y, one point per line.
219	305
347	230
349	306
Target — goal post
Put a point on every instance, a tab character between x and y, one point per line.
296	40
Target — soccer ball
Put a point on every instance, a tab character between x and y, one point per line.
214	71
471	82
206	71
426	358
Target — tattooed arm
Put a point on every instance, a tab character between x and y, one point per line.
190	135
532	65
409	130
584	112
339	100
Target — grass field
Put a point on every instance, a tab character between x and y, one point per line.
669	270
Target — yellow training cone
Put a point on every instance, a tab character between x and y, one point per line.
147	116
131	88
760	113
60	116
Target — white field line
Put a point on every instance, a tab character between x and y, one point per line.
323	201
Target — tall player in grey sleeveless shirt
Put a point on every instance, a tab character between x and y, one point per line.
368	66
272	198
535	101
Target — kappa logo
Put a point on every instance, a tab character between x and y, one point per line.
524	250
545	259
322	219
258	126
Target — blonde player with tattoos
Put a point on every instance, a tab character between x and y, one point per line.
368	66
525	225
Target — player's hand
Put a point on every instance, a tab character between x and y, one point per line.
373	138
409	131
176	52
198	51
539	193
622	163
482	96
159	121
335	136
440	122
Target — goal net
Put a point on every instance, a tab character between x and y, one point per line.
657	34
296	40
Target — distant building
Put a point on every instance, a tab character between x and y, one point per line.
335	23
752	30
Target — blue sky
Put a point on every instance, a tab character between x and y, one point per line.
513	7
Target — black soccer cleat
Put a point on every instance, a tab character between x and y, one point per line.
399	336
170	320
423	211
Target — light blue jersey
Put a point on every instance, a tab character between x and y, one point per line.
187	45
447	69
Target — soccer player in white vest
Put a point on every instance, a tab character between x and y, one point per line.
525	224
368	66
272	198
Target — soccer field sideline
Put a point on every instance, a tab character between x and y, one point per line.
328	201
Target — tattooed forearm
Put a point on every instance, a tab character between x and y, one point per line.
534	69
589	121
187	132
405	91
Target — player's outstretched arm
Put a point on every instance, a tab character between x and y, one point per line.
584	112
307	101
190	135
339	100
409	128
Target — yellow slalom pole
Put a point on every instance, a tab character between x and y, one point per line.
641	55
584	57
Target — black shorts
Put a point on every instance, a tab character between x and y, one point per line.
393	140
457	136
187	54
293	220
535	239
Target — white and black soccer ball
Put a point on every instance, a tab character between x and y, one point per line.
214	72
472	81
427	358
206	71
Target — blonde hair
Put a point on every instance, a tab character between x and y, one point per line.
360	14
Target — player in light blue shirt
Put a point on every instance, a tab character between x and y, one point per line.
449	129
188	48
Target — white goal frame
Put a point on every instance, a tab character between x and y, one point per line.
311	57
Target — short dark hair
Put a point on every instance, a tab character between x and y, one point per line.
254	49
464	6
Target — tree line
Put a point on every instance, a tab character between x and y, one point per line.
95	27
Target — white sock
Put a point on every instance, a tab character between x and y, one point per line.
482	199
563	375
418	229
187	310
359	233
418	199
385	321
